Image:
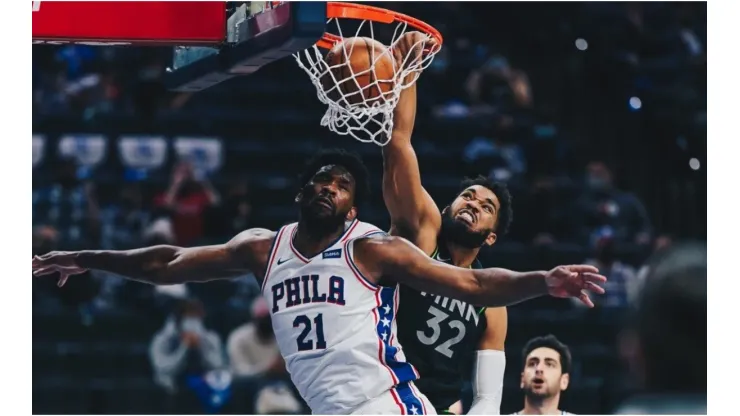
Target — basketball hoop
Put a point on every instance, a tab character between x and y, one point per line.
365	121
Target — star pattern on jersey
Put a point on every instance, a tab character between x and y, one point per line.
385	321
384	335
414	410
387	309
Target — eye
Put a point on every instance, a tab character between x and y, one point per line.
466	196
488	209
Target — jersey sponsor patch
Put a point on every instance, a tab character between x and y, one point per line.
332	254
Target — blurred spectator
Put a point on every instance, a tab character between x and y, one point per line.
497	152
546	208
69	206
665	343
182	350
622	284
235	214
188	197
602	205
256	360
497	85
125	220
252	347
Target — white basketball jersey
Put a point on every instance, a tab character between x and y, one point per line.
335	329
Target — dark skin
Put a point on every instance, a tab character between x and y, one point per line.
415	215
327	198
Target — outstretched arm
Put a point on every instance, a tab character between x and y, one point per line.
395	258
414	214
164	265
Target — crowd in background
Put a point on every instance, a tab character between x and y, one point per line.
594	114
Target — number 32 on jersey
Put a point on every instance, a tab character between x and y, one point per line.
434	324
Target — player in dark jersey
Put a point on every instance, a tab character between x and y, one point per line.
444	338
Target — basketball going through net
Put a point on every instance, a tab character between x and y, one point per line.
359	79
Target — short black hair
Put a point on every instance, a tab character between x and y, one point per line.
670	319
348	160
505	212
549	341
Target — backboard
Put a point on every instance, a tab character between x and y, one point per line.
213	40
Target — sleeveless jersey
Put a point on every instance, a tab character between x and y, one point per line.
335	329
440	336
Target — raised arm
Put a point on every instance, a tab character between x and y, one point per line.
397	259
414	214
164	265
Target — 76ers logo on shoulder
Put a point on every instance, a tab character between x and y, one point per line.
36	6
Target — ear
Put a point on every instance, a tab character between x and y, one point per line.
521	380
352	214
490	239
564	382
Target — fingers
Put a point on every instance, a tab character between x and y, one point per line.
44	271
592	287
62	280
583	297
593	277
582	268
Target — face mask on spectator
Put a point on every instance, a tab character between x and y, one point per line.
191	324
597	183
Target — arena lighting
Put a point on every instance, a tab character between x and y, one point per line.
635	103
581	44
694	163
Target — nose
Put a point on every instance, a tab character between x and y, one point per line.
328	189
472	205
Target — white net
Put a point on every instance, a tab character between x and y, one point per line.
363	112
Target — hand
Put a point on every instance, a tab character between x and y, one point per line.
409	48
182	173
190	339
62	262
574	281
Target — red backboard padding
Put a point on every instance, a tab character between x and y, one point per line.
137	22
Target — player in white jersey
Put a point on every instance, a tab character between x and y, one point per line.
331	286
338	343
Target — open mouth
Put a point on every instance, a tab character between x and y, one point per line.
538	381
466	216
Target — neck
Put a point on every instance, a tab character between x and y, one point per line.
461	256
310	243
547	406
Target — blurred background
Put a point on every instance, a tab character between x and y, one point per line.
593	113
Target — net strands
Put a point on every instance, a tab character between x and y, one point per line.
367	120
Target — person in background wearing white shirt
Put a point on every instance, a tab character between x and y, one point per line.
184	348
252	348
258	366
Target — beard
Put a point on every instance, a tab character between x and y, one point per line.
320	223
536	397
458	232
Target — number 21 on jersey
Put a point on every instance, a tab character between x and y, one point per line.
305	343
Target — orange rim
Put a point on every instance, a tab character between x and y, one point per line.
339	10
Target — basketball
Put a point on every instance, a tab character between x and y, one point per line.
363	71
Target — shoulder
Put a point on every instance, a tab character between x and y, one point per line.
252	247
